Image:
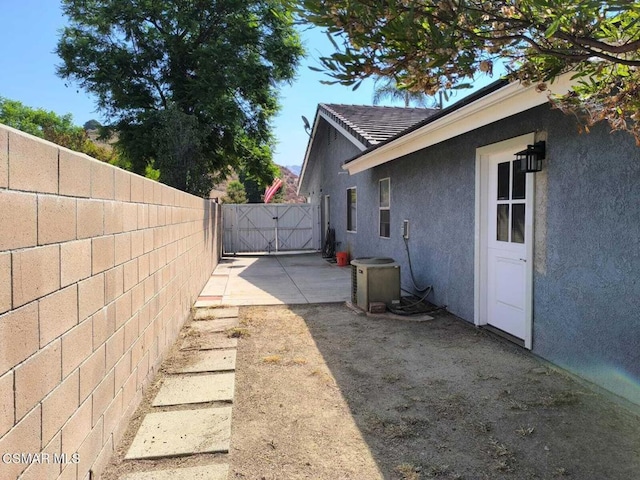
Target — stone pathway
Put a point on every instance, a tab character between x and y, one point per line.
194	403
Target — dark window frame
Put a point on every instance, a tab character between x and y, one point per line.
384	228
352	209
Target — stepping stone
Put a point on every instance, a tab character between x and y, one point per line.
206	472
209	341
222	312
212	326
185	389
209	361
185	432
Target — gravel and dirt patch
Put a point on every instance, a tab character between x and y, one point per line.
323	393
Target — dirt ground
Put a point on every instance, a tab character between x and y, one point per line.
326	394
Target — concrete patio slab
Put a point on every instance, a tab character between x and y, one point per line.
214	284
267	300
205	472
209	341
187	389
209	297
207	361
263	271
183	432
276	280
213	313
259	282
208	302
245	288
320	298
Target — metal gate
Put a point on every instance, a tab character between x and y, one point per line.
256	227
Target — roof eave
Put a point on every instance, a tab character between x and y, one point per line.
306	154
496	105
348	134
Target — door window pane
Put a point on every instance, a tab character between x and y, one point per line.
503	223
519	182
503	181
517	223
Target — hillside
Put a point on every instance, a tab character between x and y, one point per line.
290	186
294	168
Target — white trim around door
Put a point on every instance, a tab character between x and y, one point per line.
503	280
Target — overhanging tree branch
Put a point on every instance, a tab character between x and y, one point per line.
431	45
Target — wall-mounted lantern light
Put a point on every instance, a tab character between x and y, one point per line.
531	158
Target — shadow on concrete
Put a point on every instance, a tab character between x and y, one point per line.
453	402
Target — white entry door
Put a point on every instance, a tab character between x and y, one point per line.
507	249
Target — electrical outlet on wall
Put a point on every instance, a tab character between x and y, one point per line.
405	229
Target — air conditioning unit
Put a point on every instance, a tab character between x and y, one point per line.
374	279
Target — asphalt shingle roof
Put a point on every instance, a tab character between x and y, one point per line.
373	124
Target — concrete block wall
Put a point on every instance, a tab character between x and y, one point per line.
99	269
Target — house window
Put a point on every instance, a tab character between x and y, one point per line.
385	206
352	208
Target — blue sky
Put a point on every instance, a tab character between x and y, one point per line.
28	36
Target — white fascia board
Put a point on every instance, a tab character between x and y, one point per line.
505	102
308	152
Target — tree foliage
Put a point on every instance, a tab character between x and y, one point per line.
388	89
252	188
55	128
189	85
235	193
428	46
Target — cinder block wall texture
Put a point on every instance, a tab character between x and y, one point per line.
99	269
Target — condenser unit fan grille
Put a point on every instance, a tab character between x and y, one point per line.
354	284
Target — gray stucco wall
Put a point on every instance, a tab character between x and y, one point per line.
329	151
587	236
587	285
434	191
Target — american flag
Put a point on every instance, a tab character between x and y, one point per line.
271	191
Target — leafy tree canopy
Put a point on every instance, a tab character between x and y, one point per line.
428	46
189	85
255	191
235	193
41	123
55	128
